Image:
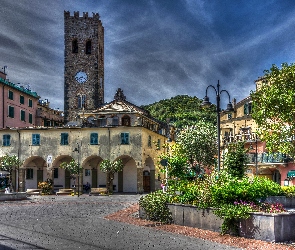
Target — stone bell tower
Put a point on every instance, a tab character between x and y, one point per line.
84	64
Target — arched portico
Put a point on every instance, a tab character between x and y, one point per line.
92	173
150	182
127	179
61	177
33	171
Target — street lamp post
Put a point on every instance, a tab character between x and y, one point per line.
229	109
256	154
77	149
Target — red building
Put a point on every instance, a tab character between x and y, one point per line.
18	104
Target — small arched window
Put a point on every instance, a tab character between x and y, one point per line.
126	120
81	101
88	47
75	46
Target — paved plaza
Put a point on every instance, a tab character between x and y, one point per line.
66	222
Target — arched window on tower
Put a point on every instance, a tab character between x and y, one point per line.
75	46
125	120
81	101
88	47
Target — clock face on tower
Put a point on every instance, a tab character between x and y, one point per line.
81	77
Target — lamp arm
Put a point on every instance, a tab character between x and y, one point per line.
211	87
227	94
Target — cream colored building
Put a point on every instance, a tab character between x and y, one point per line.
118	130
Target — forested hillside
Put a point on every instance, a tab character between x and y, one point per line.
182	110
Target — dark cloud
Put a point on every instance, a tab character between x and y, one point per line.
154	49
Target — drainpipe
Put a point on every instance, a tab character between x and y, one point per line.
18	156
3	106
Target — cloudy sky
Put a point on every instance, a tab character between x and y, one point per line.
154	49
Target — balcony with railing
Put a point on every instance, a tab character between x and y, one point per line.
271	158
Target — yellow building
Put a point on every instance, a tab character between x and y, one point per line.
117	130
239	126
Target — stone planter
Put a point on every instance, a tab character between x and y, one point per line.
13	196
260	226
287	202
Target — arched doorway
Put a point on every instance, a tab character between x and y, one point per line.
35	171
150	182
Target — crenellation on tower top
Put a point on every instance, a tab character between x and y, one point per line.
95	16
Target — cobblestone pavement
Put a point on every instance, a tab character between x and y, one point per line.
66	222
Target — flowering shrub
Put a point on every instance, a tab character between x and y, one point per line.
289	191
262	206
155	207
46	186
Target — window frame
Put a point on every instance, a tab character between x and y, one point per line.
11	111
22	99
55	173
23	115
30	118
64	139
10	94
125	138
36	139
94	138
6	140
29	174
30	103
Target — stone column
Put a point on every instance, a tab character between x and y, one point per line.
139	180
50	175
22	179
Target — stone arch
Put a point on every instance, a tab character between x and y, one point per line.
34	171
91	172
61	177
127	179
150	181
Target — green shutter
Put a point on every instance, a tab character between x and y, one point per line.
64	138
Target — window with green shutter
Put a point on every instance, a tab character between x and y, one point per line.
30	118
124	138
64	139
35	139
150	141
11	111
22	99
22	115
30	103
94	139
6	140
10	95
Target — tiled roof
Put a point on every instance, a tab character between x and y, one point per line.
21	89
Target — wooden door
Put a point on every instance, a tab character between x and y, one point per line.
94	178
146	182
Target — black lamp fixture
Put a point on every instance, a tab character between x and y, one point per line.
229	109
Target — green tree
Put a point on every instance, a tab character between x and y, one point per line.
176	161
198	144
181	111
236	159
8	163
110	168
74	168
274	108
